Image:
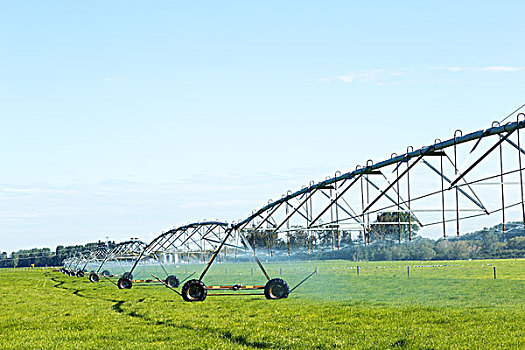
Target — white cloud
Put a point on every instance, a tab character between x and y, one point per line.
382	77
19	215
490	69
18	190
376	77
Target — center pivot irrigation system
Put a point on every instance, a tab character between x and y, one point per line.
117	260
80	263
436	188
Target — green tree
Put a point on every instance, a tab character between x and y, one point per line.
517	243
392	225
490	244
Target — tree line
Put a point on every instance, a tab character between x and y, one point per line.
45	257
387	239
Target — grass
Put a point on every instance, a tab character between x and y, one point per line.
459	306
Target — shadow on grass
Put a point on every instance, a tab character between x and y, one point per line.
118	307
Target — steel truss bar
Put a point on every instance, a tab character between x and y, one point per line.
211	231
518	147
499	183
190	236
440	210
476	215
377	188
121	248
215	253
470	183
502	139
295	210
247	244
268	216
289	205
178	239
521	172
352	215
449	181
336	198
97	255
227	244
181	231
465	182
383	192
508	128
164	241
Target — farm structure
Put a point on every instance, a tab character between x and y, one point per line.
86	261
192	246
69	264
438	187
467	177
117	260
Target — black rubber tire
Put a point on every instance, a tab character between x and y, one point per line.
72	273
94	277
124	283
172	281
194	290
276	288
106	273
127	275
80	273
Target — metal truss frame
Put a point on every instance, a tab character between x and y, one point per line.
284	215
95	256
337	211
199	238
123	251
346	202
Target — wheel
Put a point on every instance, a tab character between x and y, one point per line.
94	277
276	289
72	273
106	273
124	283
80	273
127	275
172	281
194	290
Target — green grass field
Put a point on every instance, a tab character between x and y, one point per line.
459	306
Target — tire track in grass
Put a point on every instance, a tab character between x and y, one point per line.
59	284
118	306
226	335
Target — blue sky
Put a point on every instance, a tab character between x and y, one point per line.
125	118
